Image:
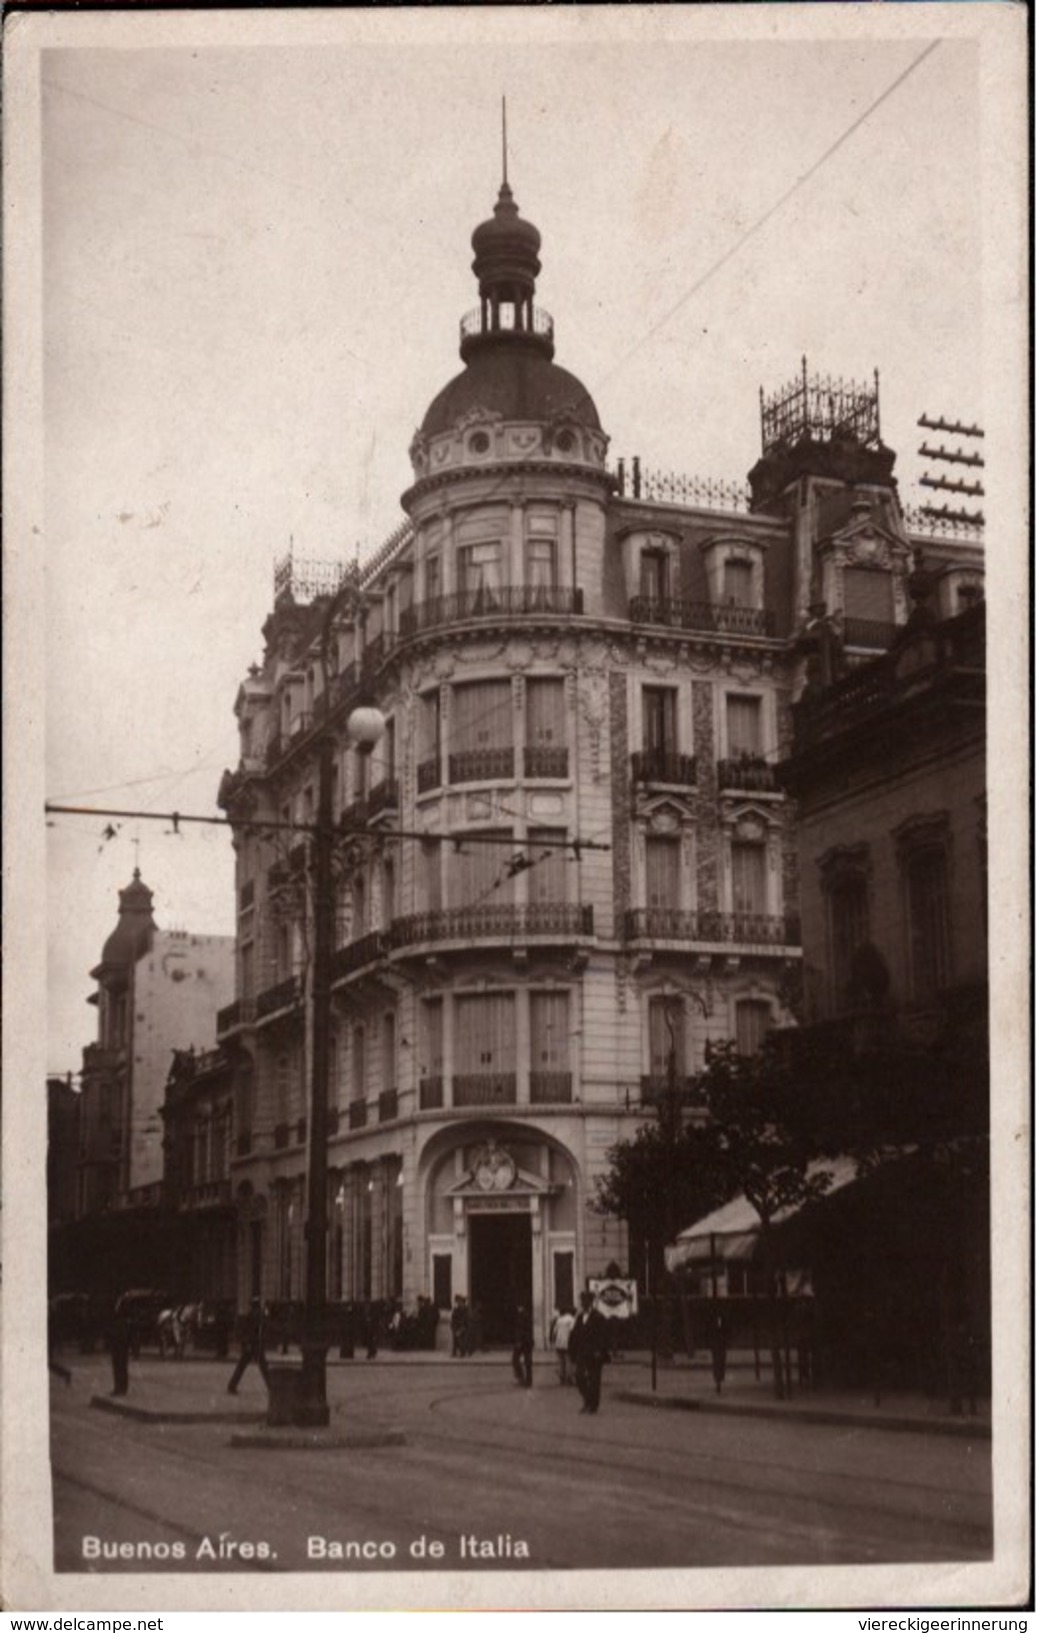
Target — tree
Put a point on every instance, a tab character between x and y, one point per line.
764	1146
665	1174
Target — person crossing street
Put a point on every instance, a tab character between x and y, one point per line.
253	1347
588	1351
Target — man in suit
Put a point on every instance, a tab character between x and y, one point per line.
588	1351
253	1346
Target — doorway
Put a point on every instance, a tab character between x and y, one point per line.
500	1270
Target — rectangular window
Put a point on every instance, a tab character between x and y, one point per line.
358	1086
655	575
547	879
738	583
659	719
484	1034
431	1044
748	878
926	879
389	1051
442	1281
479	569
665	1034
541	564
248	971
481	734
662	873
359	924
546	751
744	716
868	594
752	1023
429	727
549	1031
479	873
433	579
430	877
848	930
565	1281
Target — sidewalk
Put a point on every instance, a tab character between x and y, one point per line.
179	1392
688	1386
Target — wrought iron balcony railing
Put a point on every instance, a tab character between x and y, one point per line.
663	765
384	796
503	601
707	617
285	995
707	925
485	1089
388	1106
482	765
750	773
546	760
494	921
550	1088
358	954
429	775
241	1012
869	633
430	1094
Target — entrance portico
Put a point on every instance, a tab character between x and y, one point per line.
502	1211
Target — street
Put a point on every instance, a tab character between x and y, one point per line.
492	1476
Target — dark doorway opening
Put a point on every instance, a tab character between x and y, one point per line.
500	1271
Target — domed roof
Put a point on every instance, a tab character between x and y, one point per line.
513	380
132	935
506	243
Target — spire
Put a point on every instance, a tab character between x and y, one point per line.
507	261
504	138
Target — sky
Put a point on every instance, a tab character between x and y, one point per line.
254	261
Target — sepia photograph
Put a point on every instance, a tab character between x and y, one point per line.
517	994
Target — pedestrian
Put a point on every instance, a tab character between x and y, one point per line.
589	1350
522	1351
120	1337
253	1346
561	1332
459	1326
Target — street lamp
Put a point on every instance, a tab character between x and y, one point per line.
365	728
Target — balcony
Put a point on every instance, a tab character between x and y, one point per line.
704	616
869	633
430	1096
544	760
384	796
485	1089
358	1114
494	922
483	321
429	775
504	601
482	765
285	995
358	954
550	1088
710	927
388	1106
749	773
237	1014
658	765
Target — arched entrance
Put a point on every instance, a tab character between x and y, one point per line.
501	1221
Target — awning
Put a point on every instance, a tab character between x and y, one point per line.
733	1231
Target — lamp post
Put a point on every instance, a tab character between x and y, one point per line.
365	727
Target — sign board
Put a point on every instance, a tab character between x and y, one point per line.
614	1298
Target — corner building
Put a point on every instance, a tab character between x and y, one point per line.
566	658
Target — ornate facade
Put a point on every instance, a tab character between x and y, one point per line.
568	864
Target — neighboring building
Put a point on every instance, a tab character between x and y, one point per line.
199	1131
563	655
889	773
157	991
63	1105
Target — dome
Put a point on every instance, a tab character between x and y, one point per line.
132	935
516	381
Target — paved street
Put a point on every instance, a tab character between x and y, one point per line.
519	1470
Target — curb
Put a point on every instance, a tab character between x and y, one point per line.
144	1414
314	1440
970	1428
